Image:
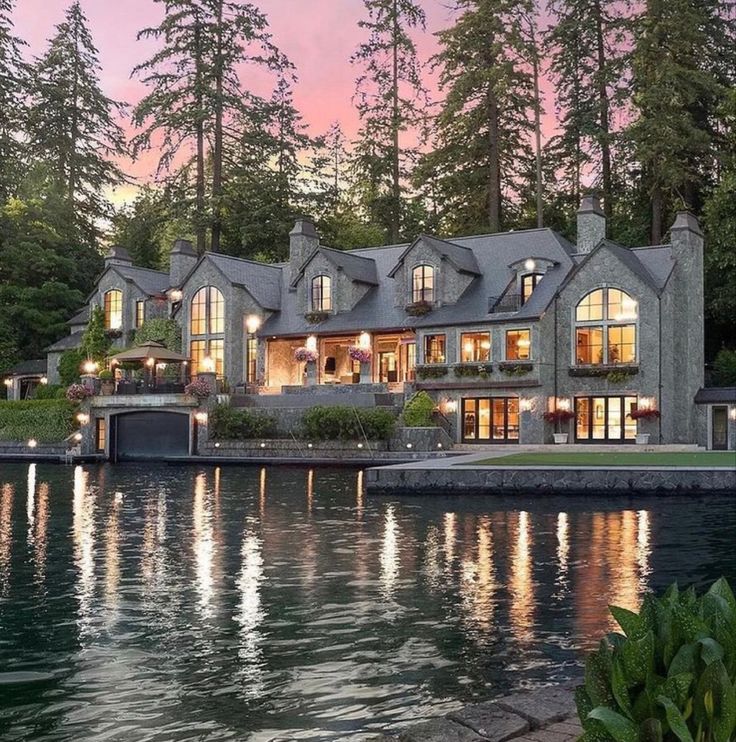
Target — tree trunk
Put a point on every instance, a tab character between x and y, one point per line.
199	205
217	145
494	165
395	123
604	112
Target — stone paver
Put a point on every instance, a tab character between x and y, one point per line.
541	707
439	730
491	721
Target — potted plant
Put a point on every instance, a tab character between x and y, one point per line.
559	417
107	385
363	357
302	354
198	388
643	413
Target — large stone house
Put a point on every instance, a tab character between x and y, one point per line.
498	328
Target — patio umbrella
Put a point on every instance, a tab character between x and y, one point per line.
151	349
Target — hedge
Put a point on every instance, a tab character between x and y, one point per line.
340	423
46	420
237	425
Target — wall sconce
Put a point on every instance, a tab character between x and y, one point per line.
201	417
207	365
8	382
311	343
89	367
175	296
32	443
525	404
44	380
82	418
530	265
77	437
732	413
563	404
364	340
252	323
450	405
646	403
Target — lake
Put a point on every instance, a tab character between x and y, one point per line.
148	602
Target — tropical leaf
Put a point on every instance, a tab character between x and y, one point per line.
677	723
618	726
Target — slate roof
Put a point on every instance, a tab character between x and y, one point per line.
261	280
81	317
28	368
356	267
66	343
152	282
460	256
716	395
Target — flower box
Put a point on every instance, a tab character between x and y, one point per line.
515	369
431	371
316	317
480	369
419	308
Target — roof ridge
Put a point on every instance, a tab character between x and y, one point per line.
211	254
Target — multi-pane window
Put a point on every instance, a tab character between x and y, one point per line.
475	346
100	434
528	284
321	294
605	328
139	313
422	284
251	360
434	349
208	312
113	307
518	345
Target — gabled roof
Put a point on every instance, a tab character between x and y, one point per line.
149	281
81	317
355	267
716	395
261	280
66	343
28	368
460	257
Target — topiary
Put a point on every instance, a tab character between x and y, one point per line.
69	366
95	343
418	411
670	677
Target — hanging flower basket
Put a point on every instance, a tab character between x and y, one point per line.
647	413
359	354
199	388
305	355
77	392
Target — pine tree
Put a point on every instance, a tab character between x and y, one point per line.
390	99
72	123
13	86
483	129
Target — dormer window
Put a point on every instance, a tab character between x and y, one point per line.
422	284
321	294
113	306
529	282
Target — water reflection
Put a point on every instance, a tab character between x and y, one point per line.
40	540
520	581
31	502
389	553
563	553
84	547
479	581
6	536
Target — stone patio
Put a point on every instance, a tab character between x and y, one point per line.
542	715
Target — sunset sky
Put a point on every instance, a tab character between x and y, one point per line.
319	36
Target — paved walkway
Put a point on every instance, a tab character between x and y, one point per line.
542	715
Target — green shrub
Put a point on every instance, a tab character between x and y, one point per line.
670	676
106	375
237	425
418	411
159	330
724	368
49	391
431	372
46	420
347	424
70	365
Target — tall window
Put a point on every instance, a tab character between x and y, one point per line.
518	345
113	307
528	284
321	294
422	283
207	325
434	349
252	360
475	346
605	328
139	313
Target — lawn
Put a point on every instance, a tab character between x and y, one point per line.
626	458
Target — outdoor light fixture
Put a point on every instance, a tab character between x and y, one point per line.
77	437
207	365
450	405
252	323
360	445
89	367
217	445
563	404
530	265
263	445
439	445
408	445
150	362
175	296
8	382
311	343
201	418
646	403
82	418
525	404
32	443
44	380
364	340
309	445
732	413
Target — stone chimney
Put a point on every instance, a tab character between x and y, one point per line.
303	241
117	255
591	223
182	259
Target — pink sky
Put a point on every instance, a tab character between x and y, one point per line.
319	36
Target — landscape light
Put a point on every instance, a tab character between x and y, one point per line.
309	445
201	418
44	380
89	367
263	445
360	445
217	445
408	445
77	437
32	443
82	418
439	445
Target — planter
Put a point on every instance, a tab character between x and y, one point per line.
560	437
107	388
365	372
642	439
311	378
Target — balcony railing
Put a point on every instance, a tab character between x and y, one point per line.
505	303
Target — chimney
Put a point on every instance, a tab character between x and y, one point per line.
591	223
182	259
117	255
303	241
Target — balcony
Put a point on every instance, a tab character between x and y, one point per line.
505	304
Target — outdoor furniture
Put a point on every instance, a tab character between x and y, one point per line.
150	355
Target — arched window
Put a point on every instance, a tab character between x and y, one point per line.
605	328
422	284
207	328
529	282
321	294
113	307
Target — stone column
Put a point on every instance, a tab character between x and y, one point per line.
211	378
365	372
311	373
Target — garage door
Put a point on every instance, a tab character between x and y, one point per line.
150	435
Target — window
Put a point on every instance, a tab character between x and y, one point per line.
528	284
518	345
213	351
140	310
605	419
475	346
422	284
100	434
321	294
434	349
207	320
113	307
490	420
605	328
252	360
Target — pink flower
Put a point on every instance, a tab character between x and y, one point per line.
305	355
362	355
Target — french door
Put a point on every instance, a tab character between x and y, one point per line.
604	419
490	420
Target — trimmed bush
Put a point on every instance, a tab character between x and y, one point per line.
238	425
70	365
340	423
418	411
49	391
670	676
46	420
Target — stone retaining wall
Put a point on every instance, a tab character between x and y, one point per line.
506	480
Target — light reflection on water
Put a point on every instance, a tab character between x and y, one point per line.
264	604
